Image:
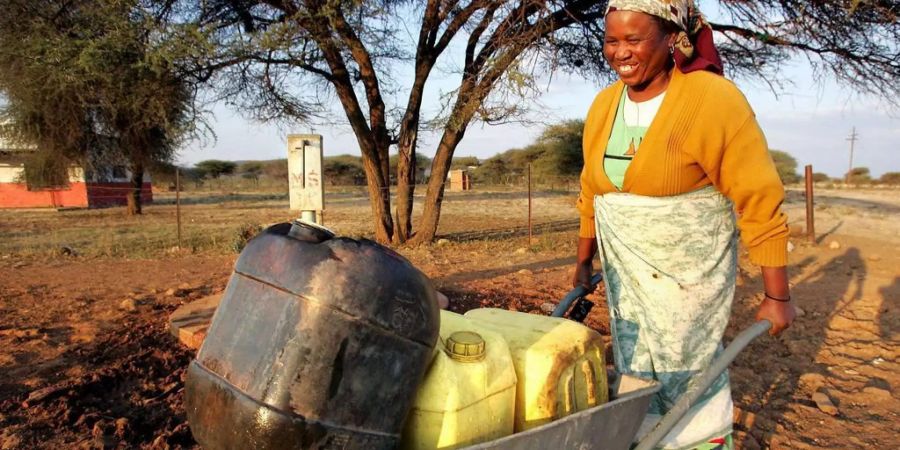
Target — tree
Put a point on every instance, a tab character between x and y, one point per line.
859	175
214	168
250	170
892	178
93	81
343	170
294	52
786	166
820	177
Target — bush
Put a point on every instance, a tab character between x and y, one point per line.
245	233
892	178
786	166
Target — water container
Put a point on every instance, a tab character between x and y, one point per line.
559	364
469	391
319	343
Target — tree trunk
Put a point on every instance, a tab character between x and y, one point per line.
379	199
406	185
137	183
435	194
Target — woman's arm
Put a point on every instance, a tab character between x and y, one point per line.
587	247
773	308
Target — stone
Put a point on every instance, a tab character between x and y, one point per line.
812	382
548	307
129	304
834	245
190	322
877	393
525	272
442	242
800	311
521	251
171	292
824	403
790	246
184	286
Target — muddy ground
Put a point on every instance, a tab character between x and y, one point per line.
86	360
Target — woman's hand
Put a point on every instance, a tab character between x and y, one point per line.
780	314
582	276
587	248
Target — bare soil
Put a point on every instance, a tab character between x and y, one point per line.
86	360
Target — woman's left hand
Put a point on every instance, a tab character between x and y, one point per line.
780	314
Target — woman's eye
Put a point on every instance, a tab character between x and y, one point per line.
634	41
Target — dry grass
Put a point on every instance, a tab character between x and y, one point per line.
211	221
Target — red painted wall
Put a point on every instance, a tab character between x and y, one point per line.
77	195
114	194
17	195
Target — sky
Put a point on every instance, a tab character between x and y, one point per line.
810	119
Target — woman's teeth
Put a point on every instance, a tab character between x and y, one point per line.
626	69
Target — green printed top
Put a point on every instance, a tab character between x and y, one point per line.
628	130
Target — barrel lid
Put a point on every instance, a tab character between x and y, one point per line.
465	346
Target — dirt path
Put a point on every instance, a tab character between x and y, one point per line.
83	342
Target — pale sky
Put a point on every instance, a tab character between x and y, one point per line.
810	120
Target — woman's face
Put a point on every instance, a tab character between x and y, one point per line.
637	48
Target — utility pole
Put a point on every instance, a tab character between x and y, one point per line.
853	137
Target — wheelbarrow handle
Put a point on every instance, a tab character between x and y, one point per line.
703	381
574	294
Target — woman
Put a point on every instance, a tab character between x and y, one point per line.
671	151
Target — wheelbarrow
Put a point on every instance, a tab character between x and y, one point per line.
621	417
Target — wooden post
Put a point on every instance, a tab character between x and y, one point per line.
529	204
810	219
178	203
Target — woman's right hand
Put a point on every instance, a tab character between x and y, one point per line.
582	276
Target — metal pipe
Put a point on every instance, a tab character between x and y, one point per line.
579	291
178	203
529	204
701	383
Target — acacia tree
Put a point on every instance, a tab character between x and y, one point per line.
295	52
95	82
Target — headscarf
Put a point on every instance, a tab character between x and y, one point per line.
694	47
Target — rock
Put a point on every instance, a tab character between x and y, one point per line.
824	403
811	381
874	258
834	245
521	251
442	242
128	305
877	393
443	301
65	250
525	272
171	292
548	307
184	286
790	246
800	312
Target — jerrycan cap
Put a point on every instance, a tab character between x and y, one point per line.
465	346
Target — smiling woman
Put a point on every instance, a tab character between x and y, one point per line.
670	152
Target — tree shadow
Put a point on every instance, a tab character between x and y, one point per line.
766	376
503	233
824	235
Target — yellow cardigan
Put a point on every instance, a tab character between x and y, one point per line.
704	133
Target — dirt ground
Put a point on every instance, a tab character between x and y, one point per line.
86	360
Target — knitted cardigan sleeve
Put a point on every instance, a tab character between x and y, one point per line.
744	172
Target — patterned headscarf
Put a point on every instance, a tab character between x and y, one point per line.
694	47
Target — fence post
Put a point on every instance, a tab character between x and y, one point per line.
178	203
529	204
810	219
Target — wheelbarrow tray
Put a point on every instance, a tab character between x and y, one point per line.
610	426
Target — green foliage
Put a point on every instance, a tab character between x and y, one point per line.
892	178
786	166
276	169
344	170
42	171
859	175
555	155
214	168
463	162
820	177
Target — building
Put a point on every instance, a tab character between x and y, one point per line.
76	189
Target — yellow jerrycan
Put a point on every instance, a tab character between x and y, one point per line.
469	391
559	364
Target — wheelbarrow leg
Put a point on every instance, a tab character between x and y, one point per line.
703	381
